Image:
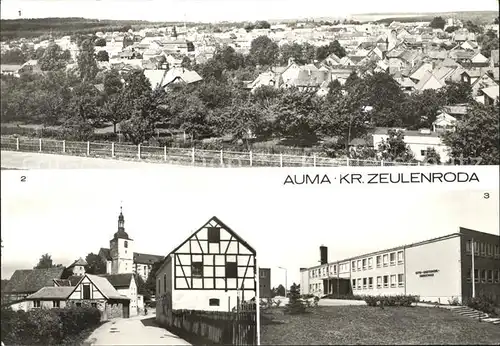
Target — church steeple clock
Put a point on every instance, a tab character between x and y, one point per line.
121	249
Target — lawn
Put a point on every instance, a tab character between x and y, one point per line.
336	325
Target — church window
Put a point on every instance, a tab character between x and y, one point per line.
126	244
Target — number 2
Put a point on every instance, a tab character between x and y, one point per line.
23	178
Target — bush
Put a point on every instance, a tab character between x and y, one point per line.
46	326
398	300
482	303
371	300
344	297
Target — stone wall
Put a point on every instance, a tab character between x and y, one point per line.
114	310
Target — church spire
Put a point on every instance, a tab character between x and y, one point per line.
121	220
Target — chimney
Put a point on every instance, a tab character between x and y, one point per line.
323	253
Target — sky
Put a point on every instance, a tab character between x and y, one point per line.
228	10
70	213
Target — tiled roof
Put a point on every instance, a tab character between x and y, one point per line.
78	262
106	288
62	282
74	280
143	258
51	293
31	280
119	280
492	92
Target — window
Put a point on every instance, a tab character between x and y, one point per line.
400	257
393	258
468	246
400	280
359	264
214	302
489	250
484	275
469	275
370	283
365	283
476	248
483	249
78	305
55	303
164	283
393	281
197	269
86	291
145	268
359	284
379	261
353	265
213	234
386	260
36	303
353	284
422	152
159	286
370	263
379	282
262	274
364	264
125	244
94	305
497	251
386	281
231	270
490	276
496	276
476	275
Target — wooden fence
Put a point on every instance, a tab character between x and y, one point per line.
180	156
215	327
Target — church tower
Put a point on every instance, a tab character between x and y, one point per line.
121	249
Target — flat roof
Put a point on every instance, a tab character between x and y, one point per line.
401	247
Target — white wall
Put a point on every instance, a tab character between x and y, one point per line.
199	299
417	144
131	292
443	256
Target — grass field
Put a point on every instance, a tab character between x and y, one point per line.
362	325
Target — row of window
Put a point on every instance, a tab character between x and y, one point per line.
384	281
482	249
484	275
57	304
390	259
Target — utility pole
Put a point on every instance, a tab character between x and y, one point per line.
473	271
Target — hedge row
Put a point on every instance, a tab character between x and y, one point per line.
398	300
46	326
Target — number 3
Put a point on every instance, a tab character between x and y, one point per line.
486	195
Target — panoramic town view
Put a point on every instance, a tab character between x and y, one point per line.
181	254
363	91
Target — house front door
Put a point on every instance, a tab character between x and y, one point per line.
126	310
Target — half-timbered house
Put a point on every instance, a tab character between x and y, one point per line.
212	270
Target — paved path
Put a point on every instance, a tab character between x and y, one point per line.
25	160
139	330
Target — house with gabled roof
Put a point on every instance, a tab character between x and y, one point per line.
429	81
90	291
126	285
212	270
24	282
490	95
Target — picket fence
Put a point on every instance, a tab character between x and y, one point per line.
181	156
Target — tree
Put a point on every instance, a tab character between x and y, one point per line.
13	56
451	29
437	23
45	262
420	109
394	149
432	156
102	56
488	42
95	264
264	51
229	59
100	42
262	24
333	47
458	92
279	291
473	27
142	288
295	304
186	63
87	64
53	58
476	137
150	284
